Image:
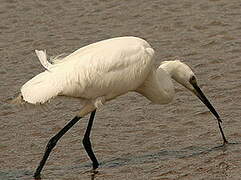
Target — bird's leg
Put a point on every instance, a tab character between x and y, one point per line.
51	144
86	141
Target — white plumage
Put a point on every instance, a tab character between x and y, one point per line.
102	71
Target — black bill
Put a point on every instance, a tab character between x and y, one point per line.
203	98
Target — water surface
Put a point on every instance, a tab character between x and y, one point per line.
132	138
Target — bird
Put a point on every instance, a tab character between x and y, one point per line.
102	71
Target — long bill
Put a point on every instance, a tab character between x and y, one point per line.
203	98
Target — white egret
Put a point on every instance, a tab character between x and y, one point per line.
102	71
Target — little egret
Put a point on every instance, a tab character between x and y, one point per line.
100	72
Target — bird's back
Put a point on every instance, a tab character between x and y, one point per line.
111	67
107	68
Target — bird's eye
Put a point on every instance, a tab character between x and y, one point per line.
193	80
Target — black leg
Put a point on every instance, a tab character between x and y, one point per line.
51	144
87	143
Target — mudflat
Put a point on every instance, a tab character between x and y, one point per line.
132	138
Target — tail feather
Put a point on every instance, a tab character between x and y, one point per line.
40	89
58	59
42	56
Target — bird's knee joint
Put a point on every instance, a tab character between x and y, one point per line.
99	102
86	142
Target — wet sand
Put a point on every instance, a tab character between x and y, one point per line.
132	138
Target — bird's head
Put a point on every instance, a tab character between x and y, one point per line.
183	74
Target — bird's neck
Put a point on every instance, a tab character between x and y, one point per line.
158	87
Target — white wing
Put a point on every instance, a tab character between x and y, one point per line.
108	68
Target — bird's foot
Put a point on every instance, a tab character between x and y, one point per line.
225	142
37	176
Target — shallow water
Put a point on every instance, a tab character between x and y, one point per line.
132	138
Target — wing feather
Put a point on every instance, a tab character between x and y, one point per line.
42	56
108	68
